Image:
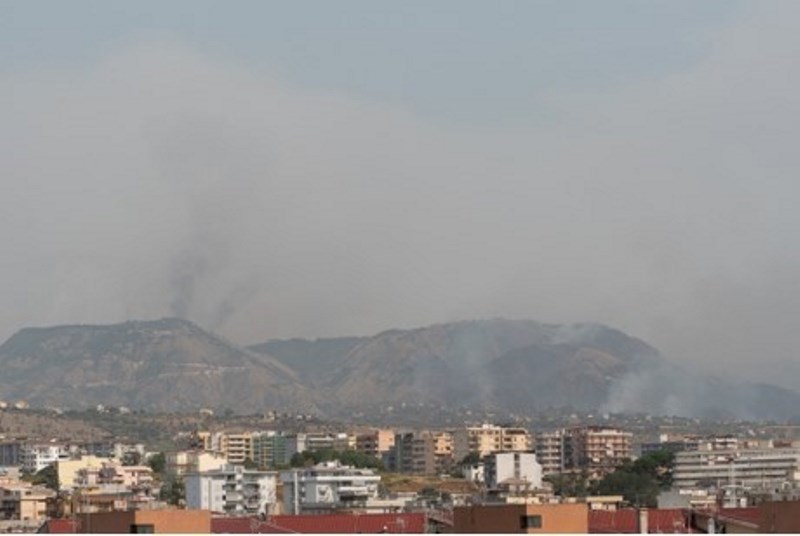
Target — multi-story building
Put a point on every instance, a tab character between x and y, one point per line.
681	443
328	486
237	447
550	452
232	490
269	450
746	468
375	443
512	468
318	441
10	453
193	461
114	476
25	502
35	457
488	438
68	469
598	450
423	452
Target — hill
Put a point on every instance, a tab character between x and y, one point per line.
161	365
497	365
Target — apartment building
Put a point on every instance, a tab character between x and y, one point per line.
270	450
114	476
746	468
317	441
423	452
232	490
512	468
35	457
550	452
375	443
193	461
237	447
24	502
10	453
596	449
489	438
328	486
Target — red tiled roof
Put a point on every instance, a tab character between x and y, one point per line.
324	523
627	520
59	526
747	515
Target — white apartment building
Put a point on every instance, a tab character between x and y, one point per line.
328	486
512	467
748	468
232	490
35	457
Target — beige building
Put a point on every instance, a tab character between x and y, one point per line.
25	502
193	461
375	443
596	449
489	438
237	447
68	469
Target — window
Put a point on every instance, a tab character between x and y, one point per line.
142	529
530	522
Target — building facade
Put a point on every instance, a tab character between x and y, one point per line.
746	468
488	438
232	490
328	486
512	467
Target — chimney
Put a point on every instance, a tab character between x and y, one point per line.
643	518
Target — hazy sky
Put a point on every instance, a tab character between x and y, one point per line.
277	169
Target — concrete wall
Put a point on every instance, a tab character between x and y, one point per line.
556	518
163	521
780	517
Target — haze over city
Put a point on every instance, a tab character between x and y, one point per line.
321	169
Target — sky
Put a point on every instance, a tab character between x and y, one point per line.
314	168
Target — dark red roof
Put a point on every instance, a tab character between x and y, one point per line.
59	526
627	520
324	523
747	515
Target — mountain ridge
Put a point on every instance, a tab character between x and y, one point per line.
499	364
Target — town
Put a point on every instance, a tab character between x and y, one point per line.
294	473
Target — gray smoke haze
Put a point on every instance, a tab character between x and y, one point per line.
160	181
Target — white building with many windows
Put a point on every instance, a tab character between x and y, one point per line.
748	468
512	467
35	457
328	486
232	490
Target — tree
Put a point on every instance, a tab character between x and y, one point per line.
47	477
158	463
173	491
570	484
473	458
131	458
641	481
